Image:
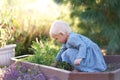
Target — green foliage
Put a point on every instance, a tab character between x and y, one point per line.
98	14
45	54
64	65
6	32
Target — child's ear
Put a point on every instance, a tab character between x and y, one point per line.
61	33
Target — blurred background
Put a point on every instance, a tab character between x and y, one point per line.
28	21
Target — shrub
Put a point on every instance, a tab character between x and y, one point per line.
6	32
45	54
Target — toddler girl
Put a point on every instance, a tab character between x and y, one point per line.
79	51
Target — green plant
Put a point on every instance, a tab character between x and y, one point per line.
6	32
45	54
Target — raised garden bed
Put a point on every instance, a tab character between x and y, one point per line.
112	73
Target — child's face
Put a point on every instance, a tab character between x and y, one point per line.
61	37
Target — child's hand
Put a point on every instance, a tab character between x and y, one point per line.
54	64
77	61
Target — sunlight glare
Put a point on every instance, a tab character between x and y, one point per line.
45	7
1	4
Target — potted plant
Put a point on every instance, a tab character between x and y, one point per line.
6	50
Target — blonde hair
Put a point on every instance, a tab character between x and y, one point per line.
58	27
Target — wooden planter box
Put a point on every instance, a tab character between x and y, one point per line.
61	74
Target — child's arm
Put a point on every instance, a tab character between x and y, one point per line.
77	61
58	57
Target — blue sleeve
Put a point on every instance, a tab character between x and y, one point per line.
58	57
82	51
79	44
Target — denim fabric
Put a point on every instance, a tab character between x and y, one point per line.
79	46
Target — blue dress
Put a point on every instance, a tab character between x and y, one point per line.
79	46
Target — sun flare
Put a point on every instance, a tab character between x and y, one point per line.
43	7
